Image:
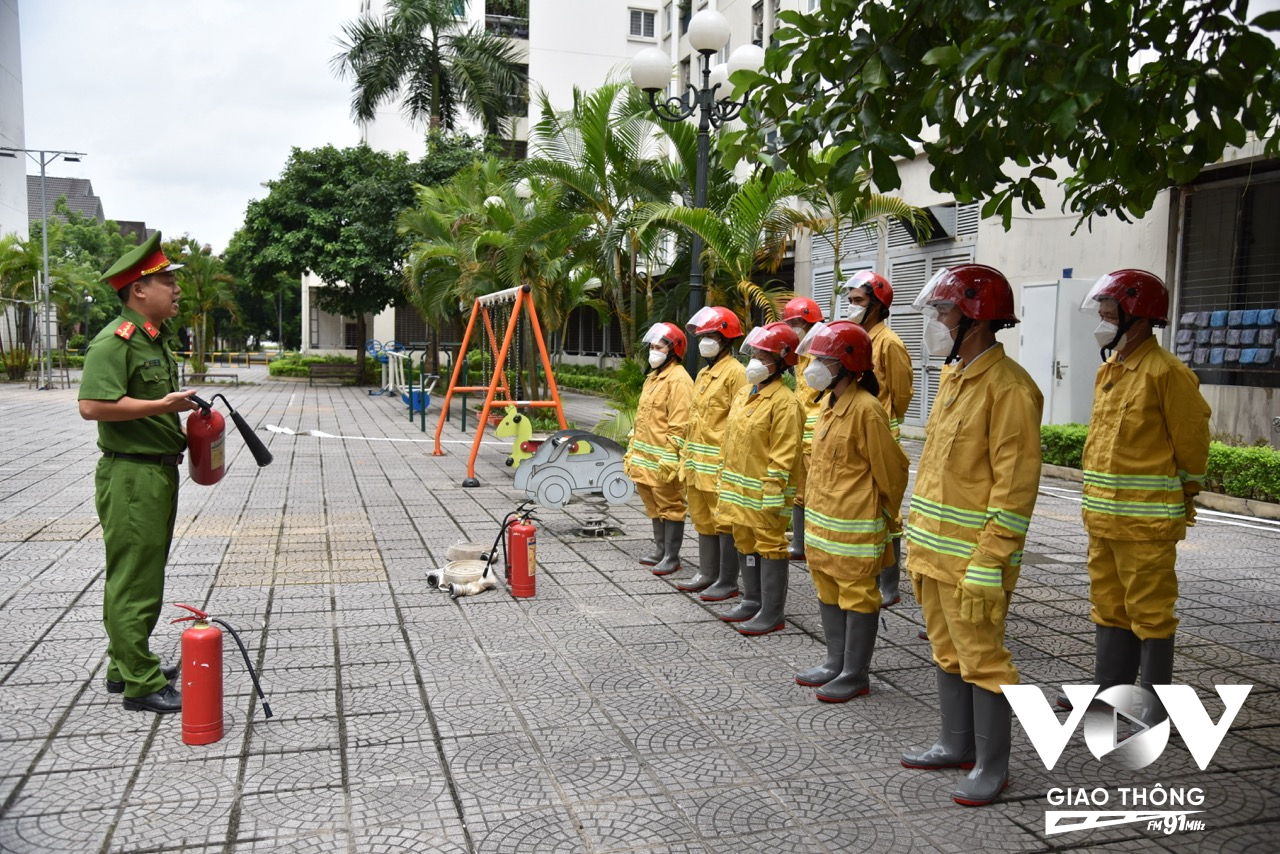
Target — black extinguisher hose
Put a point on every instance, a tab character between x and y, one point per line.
266	707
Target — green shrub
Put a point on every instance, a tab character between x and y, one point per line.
295	365
1063	444
1250	472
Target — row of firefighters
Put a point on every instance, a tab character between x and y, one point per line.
742	454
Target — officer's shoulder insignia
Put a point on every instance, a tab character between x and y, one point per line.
150	329
126	329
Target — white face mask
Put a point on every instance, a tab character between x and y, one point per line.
817	375
1106	331
757	372
937	338
708	348
657	358
857	312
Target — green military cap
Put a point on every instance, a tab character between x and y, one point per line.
138	262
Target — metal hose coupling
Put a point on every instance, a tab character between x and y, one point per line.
471	588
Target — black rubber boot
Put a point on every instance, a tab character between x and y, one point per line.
860	642
954	747
796	549
749	567
659	548
673	536
773	598
1157	669
889	577
708	565
992	719
833	631
726	586
1115	659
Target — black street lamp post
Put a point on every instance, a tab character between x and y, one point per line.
713	101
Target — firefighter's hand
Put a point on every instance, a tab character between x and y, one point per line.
667	471
982	596
1190	504
178	401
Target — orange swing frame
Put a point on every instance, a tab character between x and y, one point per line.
523	299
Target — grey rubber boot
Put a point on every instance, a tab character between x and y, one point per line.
726	585
889	577
773	598
673	536
1115	662
954	747
833	631
749	568
708	565
860	642
1157	669
659	549
992	720
796	550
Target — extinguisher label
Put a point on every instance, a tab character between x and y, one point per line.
215	453
533	556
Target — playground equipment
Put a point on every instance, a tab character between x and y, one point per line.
501	363
575	462
516	425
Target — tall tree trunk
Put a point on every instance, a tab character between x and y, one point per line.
361	337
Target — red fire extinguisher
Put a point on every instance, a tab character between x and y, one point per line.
522	556
206	441
202	676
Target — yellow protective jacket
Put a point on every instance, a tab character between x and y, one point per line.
713	394
977	478
856	478
658	432
891	364
757	482
1148	447
808	400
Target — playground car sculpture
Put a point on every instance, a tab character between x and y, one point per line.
574	462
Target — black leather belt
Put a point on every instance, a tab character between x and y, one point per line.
162	460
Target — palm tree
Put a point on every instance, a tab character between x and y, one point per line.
206	288
19	270
419	51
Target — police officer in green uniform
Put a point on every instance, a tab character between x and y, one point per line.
130	387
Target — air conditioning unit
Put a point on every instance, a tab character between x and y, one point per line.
757	35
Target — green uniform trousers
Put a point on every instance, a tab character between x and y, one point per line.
137	505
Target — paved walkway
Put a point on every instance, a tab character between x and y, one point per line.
609	713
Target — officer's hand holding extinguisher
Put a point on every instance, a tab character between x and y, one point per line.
178	401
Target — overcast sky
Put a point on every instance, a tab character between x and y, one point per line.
182	107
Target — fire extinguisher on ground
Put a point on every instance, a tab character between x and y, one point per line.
519	550
202	676
206	441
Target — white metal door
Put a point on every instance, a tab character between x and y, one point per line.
1038	332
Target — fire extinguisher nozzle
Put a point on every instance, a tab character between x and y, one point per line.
266	708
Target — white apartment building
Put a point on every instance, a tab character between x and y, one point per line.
1216	242
13	170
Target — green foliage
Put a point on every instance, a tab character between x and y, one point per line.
1248	472
295	365
17	361
1133	96
1063	444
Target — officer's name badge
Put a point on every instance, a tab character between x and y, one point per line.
152	363
125	330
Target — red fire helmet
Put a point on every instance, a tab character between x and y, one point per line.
876	286
979	291
668	333
840	339
1139	293
715	318
777	338
802	308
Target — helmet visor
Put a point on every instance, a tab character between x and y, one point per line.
818	330
931	300
703	316
657	334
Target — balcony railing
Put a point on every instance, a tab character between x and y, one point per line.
506	25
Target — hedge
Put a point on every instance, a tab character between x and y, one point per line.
1252	472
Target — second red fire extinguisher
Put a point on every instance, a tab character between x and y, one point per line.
206	441
202	676
522	556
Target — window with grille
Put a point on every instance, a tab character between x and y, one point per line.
1227	322
642	24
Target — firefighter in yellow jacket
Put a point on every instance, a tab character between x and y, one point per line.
652	459
716	328
757	481
1144	461
856	478
801	314
974	493
870	297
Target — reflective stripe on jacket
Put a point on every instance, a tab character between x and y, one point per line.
658	433
762	459
1148	446
713	394
857	474
808	401
977	478
892	366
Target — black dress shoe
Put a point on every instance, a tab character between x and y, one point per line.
162	702
169	671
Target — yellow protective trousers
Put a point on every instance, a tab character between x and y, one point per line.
768	542
1133	585
663	502
702	510
974	650
857	594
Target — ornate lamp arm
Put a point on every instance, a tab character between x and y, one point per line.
673	109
